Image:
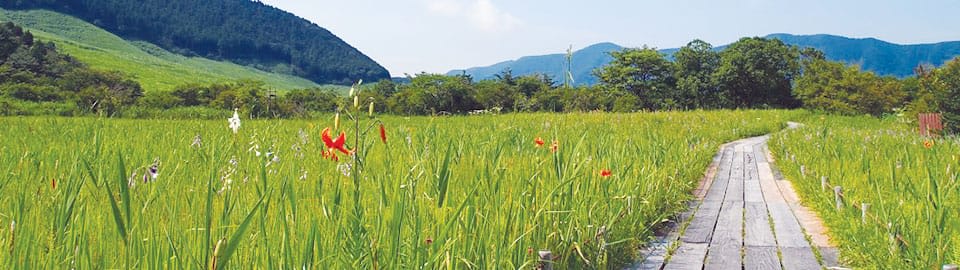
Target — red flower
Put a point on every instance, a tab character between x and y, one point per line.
928	144
428	241
605	173
383	134
555	146
538	141
53	183
333	144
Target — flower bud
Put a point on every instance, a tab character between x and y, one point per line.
351	92
356	101
336	121
370	111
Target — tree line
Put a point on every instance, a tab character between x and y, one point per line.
750	73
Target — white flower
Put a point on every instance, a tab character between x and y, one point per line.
234	121
197	142
345	169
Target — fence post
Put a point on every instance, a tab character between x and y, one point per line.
863	212
950	267
837	193
823	183
546	260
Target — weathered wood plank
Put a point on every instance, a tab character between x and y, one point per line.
786	227
756	227
701	226
725	255
768	184
727	238
799	258
687	256
760	152
761	258
718	188
735	184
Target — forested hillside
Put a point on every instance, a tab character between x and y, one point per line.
245	32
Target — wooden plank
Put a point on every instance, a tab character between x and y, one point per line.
727	238
751	184
735	184
768	184
718	188
756	227
799	258
761	258
701	227
830	256
725	255
760	151
786	228
687	256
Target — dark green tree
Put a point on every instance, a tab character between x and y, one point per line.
758	73
644	72
696	63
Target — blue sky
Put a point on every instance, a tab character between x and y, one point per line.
410	36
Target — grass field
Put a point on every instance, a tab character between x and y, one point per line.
445	192
909	182
155	68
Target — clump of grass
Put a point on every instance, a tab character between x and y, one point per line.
910	183
458	192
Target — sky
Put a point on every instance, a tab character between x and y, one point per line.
436	36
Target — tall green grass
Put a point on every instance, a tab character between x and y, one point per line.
913	191
153	67
444	192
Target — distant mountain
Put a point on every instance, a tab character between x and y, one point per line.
876	55
241	31
871	54
584	61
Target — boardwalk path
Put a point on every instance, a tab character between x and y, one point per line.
744	218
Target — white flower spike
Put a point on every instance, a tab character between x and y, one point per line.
234	121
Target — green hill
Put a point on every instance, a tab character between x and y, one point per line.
153	67
246	32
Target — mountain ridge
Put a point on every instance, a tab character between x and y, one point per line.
872	54
245	32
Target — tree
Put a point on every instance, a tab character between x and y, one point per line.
496	95
758	72
696	62
644	72
948	77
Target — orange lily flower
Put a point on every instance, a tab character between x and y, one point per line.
333	144
928	144
555	146
605	173
538	141
383	134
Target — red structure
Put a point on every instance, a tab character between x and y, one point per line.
930	124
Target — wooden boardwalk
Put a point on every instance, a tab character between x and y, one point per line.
744	218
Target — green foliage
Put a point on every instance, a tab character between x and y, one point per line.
948	79
696	63
247	32
646	73
155	68
833	87
758	73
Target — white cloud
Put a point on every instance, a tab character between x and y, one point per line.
481	14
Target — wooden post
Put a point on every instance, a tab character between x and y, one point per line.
950	267
863	212
823	183
546	260
837	193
